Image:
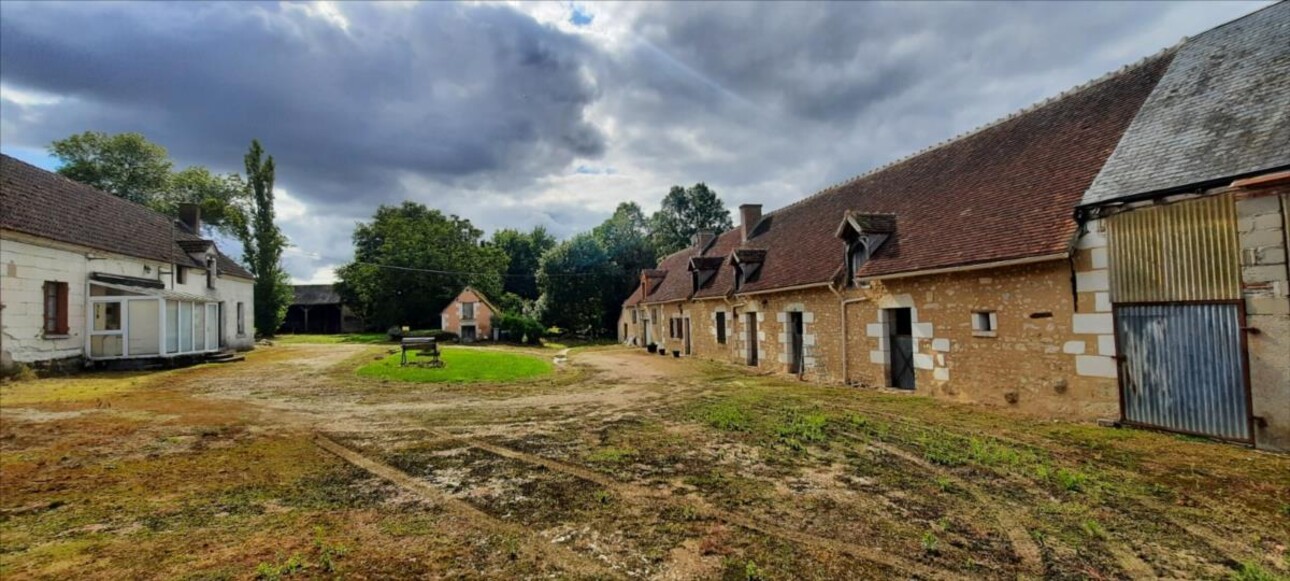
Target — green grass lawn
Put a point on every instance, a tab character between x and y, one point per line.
462	365
361	338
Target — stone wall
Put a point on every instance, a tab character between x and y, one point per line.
1265	284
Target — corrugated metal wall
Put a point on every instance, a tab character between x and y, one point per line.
1178	252
1183	368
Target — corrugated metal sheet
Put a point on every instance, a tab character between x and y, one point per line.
1182	368
1178	252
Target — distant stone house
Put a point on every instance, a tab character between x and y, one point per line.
318	309
88	277
469	316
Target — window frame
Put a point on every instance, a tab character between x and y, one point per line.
721	327
467	310
985	323
54	293
241	319
181	275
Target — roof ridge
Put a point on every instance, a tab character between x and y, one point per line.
992	124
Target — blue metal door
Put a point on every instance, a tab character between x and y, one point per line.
1182	368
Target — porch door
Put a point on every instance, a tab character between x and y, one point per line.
467	333
752	338
796	360
901	347
1182	368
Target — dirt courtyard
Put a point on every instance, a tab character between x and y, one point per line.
619	465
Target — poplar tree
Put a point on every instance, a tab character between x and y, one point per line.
262	245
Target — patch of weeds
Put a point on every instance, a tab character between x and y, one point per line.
1093	529
801	429
944	483
753	573
327	553
931	544
1071	480
273	572
1251	571
941	448
611	455
727	416
604	497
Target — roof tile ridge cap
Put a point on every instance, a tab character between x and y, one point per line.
1167	51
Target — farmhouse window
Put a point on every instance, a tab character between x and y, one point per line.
857	253
721	327
181	275
467	311
984	324
241	318
55	308
633	316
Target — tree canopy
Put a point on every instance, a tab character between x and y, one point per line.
388	282
686	211
575	278
129	166
524	250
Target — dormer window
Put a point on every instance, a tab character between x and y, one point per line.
210	272
862	234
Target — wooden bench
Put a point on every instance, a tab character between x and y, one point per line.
424	346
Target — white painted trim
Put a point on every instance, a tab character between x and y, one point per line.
970	267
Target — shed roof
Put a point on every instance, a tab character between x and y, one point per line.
315	294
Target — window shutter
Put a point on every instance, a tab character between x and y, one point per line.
62	308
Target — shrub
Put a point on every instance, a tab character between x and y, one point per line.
518	329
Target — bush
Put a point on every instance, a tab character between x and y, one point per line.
518	329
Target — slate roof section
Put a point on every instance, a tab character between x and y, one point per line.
42	203
308	295
1222	110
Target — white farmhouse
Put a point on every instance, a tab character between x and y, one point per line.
87	277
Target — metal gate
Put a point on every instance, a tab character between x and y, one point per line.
1182	368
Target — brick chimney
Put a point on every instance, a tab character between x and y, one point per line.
191	216
702	238
749	216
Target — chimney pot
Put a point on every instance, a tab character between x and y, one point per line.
749	216
191	215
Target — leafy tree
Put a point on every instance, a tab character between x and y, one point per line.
263	244
684	212
574	278
225	200
125	165
625	238
410	261
524	249
129	166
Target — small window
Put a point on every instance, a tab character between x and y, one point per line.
181	275
984	324
55	308
634	315
468	311
857	253
241	318
739	277
210	272
653	314
721	327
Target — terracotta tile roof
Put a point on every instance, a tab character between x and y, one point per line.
676	283
1007	191
45	204
635	298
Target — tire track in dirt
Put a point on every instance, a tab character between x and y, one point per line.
1022	543
562	556
1032	561
639	493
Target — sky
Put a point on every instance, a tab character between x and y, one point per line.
514	115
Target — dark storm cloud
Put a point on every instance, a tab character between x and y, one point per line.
440	90
513	118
